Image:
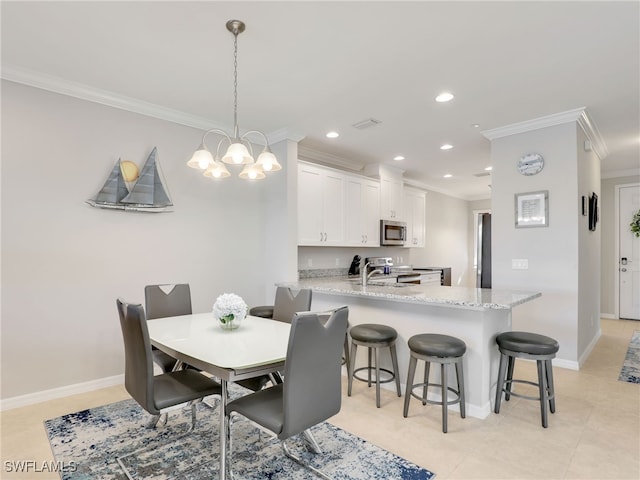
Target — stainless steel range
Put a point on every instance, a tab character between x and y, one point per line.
389	273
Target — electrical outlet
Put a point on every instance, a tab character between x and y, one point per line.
309	263
519	263
337	262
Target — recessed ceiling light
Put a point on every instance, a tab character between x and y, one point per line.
333	135
446	146
398	158
448	175
444	97
488	169
475	125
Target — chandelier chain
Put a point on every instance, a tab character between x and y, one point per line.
235	84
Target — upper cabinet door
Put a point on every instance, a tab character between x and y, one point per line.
371	213
320	206
362	212
310	228
415	212
391	198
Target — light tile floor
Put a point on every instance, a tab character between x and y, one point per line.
594	434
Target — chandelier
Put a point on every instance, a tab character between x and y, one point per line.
240	149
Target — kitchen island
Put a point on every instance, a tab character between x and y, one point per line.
474	315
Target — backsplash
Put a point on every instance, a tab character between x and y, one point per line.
322	272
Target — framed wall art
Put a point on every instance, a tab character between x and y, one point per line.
532	209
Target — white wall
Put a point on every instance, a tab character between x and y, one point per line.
553	251
447	236
64	263
589	247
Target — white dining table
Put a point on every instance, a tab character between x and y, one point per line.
257	347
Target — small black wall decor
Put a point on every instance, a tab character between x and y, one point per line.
593	211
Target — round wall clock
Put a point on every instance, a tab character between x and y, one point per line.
530	164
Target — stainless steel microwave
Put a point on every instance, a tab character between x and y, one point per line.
392	232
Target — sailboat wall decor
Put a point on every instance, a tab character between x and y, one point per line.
148	193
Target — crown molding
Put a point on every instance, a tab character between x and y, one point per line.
316	156
578	115
593	134
81	91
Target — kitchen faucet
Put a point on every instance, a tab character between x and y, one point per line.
365	276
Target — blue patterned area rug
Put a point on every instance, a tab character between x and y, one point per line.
631	367
87	443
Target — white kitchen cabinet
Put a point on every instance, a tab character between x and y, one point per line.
391	198
362	212
321	211
415	211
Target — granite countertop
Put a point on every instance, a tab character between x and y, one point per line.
457	297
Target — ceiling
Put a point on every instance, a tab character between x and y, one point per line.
305	68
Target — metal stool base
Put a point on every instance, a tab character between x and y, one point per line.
545	382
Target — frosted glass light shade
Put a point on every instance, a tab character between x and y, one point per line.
268	161
217	170
201	158
237	154
252	172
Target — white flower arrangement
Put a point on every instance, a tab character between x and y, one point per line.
229	308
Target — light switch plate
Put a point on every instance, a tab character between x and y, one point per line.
519	263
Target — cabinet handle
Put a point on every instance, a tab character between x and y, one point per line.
325	236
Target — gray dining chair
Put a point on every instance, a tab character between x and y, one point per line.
166	300
156	393
311	391
285	306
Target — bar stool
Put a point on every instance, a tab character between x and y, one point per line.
373	336
442	349
536	347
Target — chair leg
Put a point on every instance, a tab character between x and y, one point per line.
407	392
156	419
552	394
443	375
460	375
500	384
425	389
507	395
296	459
310	442
377	353
542	387
369	365
396	370
346	351
352	366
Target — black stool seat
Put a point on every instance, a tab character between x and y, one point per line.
373	333
443	350
436	345
531	346
373	336
526	342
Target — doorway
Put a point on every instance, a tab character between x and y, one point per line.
482	250
628	278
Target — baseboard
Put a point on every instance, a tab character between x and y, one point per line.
60	392
609	316
589	349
